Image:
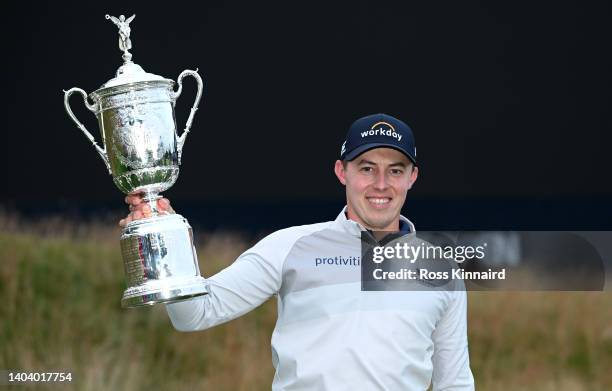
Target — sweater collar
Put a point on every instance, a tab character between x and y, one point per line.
355	228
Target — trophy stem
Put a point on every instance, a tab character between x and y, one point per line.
151	199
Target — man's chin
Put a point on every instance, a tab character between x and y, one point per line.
379	223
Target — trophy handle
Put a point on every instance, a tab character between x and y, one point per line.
194	108
92	108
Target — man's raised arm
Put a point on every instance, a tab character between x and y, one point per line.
253	278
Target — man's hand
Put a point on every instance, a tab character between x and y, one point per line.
140	209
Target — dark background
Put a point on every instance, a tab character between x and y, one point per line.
509	103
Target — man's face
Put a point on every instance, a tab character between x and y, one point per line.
376	185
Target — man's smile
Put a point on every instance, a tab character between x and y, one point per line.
379	202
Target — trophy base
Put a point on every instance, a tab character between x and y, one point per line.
150	294
160	262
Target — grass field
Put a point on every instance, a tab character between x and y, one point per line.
60	285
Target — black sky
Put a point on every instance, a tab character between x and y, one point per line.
505	99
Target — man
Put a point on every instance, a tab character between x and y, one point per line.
330	335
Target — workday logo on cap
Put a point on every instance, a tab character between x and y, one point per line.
382	128
377	131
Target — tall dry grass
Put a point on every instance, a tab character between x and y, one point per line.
61	282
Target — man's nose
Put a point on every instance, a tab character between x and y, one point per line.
381	181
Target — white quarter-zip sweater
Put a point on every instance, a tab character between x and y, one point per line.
330	335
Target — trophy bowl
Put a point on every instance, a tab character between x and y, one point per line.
139	135
142	152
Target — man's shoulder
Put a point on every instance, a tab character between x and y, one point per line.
281	241
277	245
293	234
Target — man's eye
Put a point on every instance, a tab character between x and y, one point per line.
367	169
396	172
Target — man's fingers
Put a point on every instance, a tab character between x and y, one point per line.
163	203
133	199
140	210
146	210
125	221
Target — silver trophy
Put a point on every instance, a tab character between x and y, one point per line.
142	152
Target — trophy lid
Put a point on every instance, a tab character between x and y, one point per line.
129	72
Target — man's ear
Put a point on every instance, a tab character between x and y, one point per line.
340	173
413	176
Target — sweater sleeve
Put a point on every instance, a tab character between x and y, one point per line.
451	362
249	281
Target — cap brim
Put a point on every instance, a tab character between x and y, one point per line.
364	148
